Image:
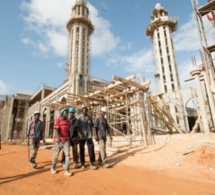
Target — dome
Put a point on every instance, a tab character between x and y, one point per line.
158	6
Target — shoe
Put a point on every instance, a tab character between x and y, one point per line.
33	163
67	173
92	166
82	166
99	162
75	165
53	171
106	165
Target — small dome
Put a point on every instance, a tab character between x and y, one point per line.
158	6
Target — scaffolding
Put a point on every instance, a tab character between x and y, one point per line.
207	50
130	108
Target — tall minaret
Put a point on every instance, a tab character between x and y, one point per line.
160	30
80	28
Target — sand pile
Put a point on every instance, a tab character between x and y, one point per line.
204	156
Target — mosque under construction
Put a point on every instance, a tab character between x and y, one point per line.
132	109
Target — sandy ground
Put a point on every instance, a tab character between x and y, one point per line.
175	165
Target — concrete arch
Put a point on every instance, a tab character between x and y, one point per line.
63	99
44	114
44	111
191	112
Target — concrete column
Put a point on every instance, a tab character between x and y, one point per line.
10	118
210	97
195	72
47	122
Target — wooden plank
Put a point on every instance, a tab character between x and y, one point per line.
207	8
125	106
131	83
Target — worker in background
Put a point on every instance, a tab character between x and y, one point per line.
84	126
102	128
73	138
35	133
62	141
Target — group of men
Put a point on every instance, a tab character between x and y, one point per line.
69	131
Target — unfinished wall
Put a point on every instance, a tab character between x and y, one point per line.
5	123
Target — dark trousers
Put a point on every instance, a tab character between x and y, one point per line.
75	155
90	146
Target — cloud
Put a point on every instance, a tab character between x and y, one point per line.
45	28
4	88
46	31
103	40
141	61
187	34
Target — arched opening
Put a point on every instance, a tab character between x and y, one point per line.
192	114
63	101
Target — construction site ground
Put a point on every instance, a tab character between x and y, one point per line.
176	164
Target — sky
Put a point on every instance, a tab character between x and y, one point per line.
34	39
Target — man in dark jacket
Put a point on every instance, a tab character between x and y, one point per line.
102	128
73	139
84	126
36	133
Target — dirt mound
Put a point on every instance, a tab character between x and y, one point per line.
204	156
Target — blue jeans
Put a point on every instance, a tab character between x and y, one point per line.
65	146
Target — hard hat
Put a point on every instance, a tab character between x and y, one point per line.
72	110
103	109
63	110
36	112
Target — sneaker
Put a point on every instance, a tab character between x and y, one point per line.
99	162
64	165
106	165
67	173
82	166
53	171
92	166
32	163
75	165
